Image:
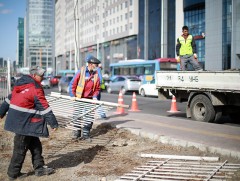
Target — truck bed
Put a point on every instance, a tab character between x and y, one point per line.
218	81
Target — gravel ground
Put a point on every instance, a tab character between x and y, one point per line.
112	153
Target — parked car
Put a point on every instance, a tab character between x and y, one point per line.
148	90
63	84
124	83
54	80
46	83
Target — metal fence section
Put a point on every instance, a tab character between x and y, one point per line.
172	169
5	82
74	114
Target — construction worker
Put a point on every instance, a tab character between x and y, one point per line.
86	84
28	116
186	50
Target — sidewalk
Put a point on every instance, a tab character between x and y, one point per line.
215	138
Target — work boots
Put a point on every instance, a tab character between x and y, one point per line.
44	171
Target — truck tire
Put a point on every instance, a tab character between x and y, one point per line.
202	109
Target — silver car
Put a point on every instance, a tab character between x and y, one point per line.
124	83
46	83
63	84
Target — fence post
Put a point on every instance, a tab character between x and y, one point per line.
8	77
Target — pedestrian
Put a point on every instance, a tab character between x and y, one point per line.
28	116
186	50
85	84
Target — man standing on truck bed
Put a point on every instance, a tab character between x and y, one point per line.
186	50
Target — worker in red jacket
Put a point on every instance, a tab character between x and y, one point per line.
28	116
85	84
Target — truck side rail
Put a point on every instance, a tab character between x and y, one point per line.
217	81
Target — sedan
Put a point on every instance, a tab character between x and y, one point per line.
124	83
63	84
54	80
46	83
148	90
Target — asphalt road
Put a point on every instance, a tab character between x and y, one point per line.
148	105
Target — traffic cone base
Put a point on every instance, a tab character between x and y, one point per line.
134	107
174	108
120	110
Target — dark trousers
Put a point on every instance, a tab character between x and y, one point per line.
21	145
87	124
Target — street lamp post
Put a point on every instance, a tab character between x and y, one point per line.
47	62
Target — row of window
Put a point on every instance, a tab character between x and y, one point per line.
89	11
111	32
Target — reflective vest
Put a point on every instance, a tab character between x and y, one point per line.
81	82
186	45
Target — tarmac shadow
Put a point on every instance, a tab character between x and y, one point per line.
182	115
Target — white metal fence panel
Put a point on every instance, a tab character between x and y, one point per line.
75	114
5	82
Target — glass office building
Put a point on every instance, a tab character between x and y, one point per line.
215	26
159	27
20	43
40	33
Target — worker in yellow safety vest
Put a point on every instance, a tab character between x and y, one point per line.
186	51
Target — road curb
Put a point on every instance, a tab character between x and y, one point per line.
183	143
177	142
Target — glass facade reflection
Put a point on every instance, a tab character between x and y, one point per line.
20	42
154	29
194	18
40	27
227	34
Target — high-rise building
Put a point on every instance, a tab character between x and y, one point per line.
114	30
20	43
40	33
146	29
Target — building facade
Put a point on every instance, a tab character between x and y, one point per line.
146	29
113	30
40	33
215	25
20	43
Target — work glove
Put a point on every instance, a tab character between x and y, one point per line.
73	98
195	55
178	59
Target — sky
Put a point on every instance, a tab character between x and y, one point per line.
10	11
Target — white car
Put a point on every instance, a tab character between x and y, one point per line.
148	90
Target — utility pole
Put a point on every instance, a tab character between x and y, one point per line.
146	30
47	61
40	57
76	33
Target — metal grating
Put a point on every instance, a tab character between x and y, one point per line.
74	114
173	169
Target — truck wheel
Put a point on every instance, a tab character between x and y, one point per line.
202	109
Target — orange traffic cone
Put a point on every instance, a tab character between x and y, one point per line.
120	110
174	108
134	107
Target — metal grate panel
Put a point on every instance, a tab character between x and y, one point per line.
173	169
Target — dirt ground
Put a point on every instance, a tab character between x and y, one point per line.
111	153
